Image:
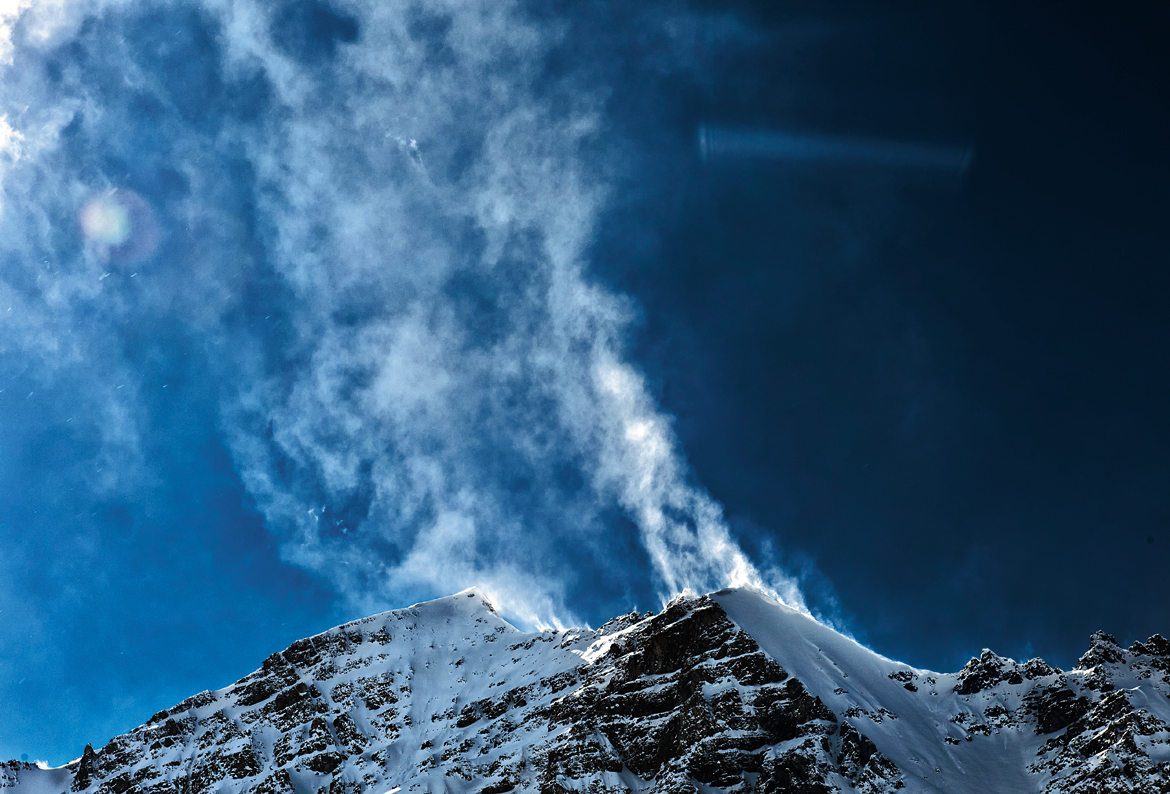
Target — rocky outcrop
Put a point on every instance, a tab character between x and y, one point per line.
1108	738
686	697
1103	649
990	670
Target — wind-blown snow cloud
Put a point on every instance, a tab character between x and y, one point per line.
372	221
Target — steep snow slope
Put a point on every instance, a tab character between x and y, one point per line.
32	779
731	692
870	691
981	729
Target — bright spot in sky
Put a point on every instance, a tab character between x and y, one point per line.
120	225
105	221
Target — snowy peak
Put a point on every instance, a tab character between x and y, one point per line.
468	605
731	692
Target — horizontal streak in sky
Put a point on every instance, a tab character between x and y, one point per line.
716	142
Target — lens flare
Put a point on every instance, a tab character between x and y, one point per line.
119	225
756	143
105	222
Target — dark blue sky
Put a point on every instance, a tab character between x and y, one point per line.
320	309
953	398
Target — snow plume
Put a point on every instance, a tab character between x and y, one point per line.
370	222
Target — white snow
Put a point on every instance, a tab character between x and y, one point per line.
845	674
445	654
32	779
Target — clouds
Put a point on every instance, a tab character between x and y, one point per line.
464	408
359	234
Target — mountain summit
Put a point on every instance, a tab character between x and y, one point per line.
730	692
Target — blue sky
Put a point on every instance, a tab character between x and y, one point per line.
310	310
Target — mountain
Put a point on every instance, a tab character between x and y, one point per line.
729	692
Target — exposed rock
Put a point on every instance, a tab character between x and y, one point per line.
989	670
855	752
1103	649
86	769
1056	708
1154	646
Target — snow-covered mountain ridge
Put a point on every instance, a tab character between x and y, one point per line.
730	692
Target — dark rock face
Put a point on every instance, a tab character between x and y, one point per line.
1154	646
86	768
1056	708
689	697
1103	649
1109	734
1106	738
990	670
